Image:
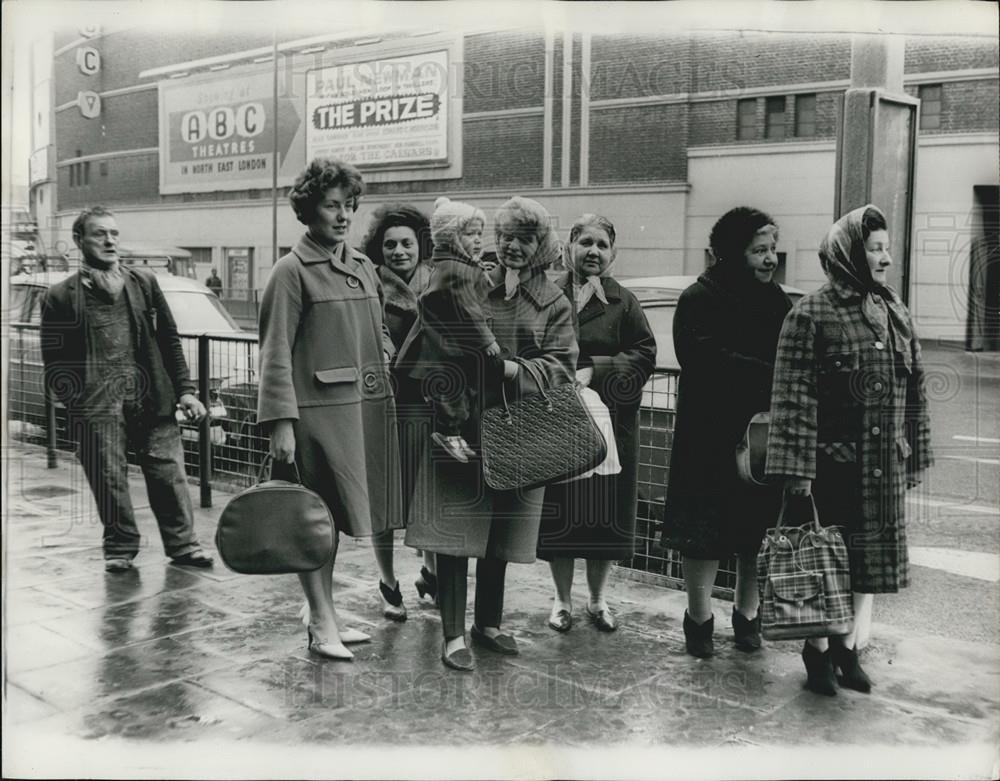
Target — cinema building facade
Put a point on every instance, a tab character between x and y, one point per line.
179	135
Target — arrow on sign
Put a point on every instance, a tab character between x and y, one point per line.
89	103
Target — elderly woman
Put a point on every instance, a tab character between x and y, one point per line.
725	334
849	423
324	393
594	518
398	243
454	513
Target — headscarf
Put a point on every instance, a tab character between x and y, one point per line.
449	220
527	214
842	255
592	285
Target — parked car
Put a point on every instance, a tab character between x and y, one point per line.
196	310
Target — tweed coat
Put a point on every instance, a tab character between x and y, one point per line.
157	346
849	411
726	333
322	366
453	511
595	517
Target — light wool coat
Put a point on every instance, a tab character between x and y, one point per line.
323	366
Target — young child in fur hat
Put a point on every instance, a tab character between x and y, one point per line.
451	344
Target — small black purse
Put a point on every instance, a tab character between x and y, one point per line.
542	438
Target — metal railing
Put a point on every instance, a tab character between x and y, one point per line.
226	450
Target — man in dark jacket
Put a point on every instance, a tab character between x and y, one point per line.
214	283
113	358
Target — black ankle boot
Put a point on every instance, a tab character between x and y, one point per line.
746	631
819	670
698	637
846	660
427	584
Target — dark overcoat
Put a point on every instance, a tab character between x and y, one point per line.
158	349
595	517
400	299
323	366
725	334
849	411
453	511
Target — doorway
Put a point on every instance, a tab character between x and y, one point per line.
983	325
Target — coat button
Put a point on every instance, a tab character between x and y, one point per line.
370	379
877	386
879	345
876	430
838	364
876	472
352	282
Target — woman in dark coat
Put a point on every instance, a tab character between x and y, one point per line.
725	334
399	244
594	518
453	512
849	423
325	396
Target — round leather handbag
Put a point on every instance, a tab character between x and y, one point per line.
275	527
751	452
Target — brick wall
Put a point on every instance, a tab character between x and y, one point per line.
966	107
944	53
715	122
638	144
635	66
503	71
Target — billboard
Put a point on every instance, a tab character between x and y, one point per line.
217	133
390	112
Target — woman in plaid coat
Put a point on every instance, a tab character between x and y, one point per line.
849	422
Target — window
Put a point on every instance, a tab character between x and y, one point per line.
104	169
930	106
86	173
805	115
746	119
200	255
774	118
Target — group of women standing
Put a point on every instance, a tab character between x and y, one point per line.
340	335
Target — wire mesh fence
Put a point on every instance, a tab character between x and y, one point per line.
236	445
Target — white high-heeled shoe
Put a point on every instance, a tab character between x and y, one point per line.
348	636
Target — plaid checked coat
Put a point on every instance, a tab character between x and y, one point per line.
848	410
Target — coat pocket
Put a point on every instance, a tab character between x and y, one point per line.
841	452
332	376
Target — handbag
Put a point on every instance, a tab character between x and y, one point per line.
751	452
611	465
804	578
541	438
275	527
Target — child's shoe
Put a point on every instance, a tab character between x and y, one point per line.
452	446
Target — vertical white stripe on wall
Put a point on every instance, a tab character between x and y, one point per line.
585	110
548	92
567	103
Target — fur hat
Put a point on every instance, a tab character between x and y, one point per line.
449	220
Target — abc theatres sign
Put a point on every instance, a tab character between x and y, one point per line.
390	112
217	133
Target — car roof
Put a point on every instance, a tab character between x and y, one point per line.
49	278
667	288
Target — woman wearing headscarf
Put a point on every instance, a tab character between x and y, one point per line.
725	334
454	513
849	423
594	518
399	244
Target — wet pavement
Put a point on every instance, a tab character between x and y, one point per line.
147	673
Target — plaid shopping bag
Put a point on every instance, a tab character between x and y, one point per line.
805	581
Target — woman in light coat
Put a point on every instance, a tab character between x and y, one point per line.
453	512
849	423
325	395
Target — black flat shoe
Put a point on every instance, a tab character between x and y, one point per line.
561	621
698	637
746	631
427	584
819	670
502	644
845	660
603	620
392	602
195	558
460	660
